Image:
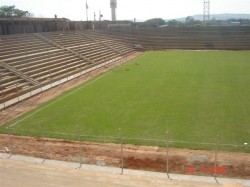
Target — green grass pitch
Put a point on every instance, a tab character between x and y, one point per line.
194	95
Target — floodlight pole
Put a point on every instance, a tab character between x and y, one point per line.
206	10
113	6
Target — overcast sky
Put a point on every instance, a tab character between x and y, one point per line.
127	9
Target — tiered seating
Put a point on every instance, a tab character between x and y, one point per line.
34	58
115	43
11	84
30	61
219	38
84	45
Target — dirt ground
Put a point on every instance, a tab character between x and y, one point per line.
18	173
183	161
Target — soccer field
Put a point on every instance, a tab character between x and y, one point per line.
194	95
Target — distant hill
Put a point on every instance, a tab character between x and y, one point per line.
217	17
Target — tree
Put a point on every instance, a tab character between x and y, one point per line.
155	22
11	11
174	23
240	21
190	20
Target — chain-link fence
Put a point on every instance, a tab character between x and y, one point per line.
161	155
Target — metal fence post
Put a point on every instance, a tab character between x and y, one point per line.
167	144
215	157
10	143
43	143
121	156
80	144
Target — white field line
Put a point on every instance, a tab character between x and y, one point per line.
58	99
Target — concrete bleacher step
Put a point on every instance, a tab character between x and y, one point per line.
102	41
62	47
10	81
16	58
19	42
54	66
18	73
14	88
36	64
23	47
86	48
12	54
102	58
59	72
27	63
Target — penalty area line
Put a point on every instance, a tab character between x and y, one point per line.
70	93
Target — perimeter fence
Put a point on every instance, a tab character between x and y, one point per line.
161	155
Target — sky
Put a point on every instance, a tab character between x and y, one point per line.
127	9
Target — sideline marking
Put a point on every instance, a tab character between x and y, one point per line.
58	100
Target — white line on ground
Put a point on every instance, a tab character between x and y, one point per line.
59	99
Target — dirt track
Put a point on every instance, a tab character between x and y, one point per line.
135	157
